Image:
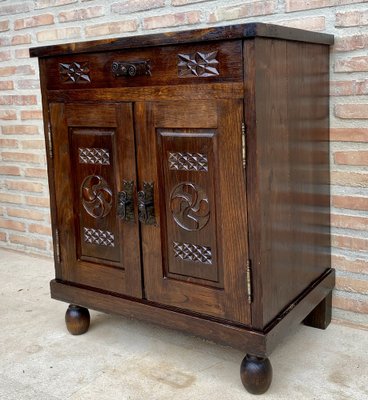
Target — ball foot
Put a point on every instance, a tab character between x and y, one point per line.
77	319
256	374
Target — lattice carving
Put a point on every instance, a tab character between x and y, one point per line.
97	236
198	64
189	206
94	155
75	72
192	252
188	162
96	196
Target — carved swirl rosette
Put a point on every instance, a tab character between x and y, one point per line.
189	206
96	196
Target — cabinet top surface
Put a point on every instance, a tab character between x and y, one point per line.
241	31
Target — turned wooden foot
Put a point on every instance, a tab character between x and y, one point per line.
320	317
77	319
256	374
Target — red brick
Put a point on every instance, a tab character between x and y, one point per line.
22	157
111	28
36	172
52	3
18	100
28	84
7	115
9	170
59	34
349	179
349	304
350	43
5	55
40	229
351	18
13	225
20	130
351	111
350	202
351	157
349	222
81	14
28	241
21	39
38	201
10	9
6	85
298	5
26	213
2	236
352	64
309	23
31	114
129	6
17	70
167	20
23	186
349	284
33	144
349	134
5	40
4	25
10	198
349	242
342	88
36	20
243	10
21	53
8	143
357	265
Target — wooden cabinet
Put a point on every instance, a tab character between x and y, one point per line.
189	182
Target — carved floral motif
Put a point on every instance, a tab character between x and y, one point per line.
75	72
198	64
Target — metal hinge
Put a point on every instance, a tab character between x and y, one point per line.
244	150
49	139
249	281
57	246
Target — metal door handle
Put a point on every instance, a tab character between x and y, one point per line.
146	206
125	208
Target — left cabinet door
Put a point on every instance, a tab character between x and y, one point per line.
94	184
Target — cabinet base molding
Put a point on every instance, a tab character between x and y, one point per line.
257	343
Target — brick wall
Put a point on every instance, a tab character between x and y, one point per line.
24	201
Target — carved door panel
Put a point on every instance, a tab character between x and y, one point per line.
94	174
195	252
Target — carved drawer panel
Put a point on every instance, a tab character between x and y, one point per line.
168	65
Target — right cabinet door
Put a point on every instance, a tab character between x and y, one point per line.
195	249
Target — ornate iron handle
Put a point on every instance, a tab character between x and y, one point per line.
125	207
146	206
130	69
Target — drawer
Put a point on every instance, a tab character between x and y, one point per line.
152	66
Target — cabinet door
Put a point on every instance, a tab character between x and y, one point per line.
94	170
195	252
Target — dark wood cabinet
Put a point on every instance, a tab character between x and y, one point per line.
189	182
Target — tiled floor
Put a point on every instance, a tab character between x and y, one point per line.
124	359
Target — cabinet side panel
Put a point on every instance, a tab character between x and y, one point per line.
292	111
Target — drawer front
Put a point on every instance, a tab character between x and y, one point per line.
166	65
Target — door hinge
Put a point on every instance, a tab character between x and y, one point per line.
49	139
57	246
249	281
244	150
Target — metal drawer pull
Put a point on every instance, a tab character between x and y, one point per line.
130	69
125	208
146	206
